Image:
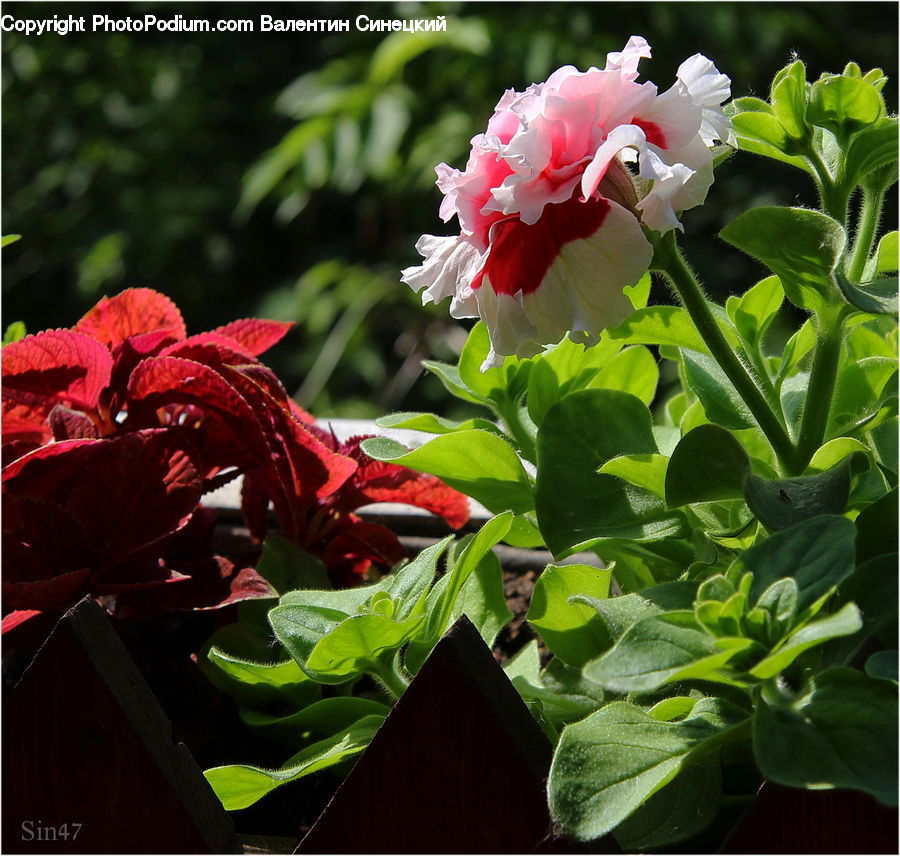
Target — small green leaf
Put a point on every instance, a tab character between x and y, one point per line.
757	307
432	424
493	384
565	368
639	293
818	553
572	630
782	503
789	100
707	464
355	644
609	764
717	394
632	370
644	471
878	297
845	622
883	666
15	332
478	463
326	716
482	599
659	650
805	263
6	240
449	376
844	105
239	786
841	733
659	325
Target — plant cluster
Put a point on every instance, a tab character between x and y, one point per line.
114	430
745	625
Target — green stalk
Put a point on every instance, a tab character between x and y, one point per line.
389	678
869	215
820	391
669	261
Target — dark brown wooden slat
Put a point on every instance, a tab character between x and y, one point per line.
790	820
85	742
459	766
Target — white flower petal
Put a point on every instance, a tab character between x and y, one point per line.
450	265
709	89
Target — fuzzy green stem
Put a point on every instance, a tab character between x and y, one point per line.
669	261
833	197
820	390
869	215
389	678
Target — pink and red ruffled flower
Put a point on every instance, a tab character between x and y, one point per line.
549	212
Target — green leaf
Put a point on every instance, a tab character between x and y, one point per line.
482	599
805	263
788	99
632	370
785	502
354	645
845	622
565	368
609	764
844	105
680	810
620	613
449	376
576	505
659	650
572	630
887	256
659	325
876	297
762	128
644	471
756	309
858	391
876	526
326	716
639	293
883	666
6	240
720	399
477	463
841	733
818	553
432	424
489	535
239	786
493	384
286	566
411	583
15	332
707	464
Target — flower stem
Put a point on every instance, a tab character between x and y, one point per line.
820	391
869	215
669	261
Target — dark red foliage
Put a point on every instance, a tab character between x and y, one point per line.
113	431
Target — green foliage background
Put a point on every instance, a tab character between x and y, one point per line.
289	175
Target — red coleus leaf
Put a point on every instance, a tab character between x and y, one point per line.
255	335
211	583
376	481
69	424
16	618
130	313
56	366
82	513
354	548
25	425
